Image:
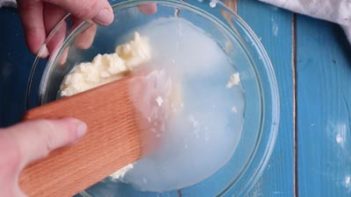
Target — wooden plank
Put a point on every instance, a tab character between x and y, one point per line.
324	103
274	27
113	140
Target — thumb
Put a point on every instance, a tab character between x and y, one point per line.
36	139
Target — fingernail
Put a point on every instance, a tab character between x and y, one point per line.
104	17
43	52
79	126
148	8
81	129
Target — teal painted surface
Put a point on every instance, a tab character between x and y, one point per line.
324	103
274	27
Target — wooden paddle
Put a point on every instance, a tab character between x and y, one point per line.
113	141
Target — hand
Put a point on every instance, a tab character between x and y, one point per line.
40	16
27	142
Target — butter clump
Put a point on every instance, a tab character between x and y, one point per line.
107	67
135	52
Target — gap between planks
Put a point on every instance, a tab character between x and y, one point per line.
294	103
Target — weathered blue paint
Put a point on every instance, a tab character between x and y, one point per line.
324	103
274	27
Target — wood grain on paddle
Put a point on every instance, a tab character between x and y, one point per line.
112	141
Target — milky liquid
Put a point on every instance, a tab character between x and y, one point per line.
187	89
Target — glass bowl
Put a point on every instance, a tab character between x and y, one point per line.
72	42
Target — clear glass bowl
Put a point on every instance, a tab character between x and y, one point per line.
76	42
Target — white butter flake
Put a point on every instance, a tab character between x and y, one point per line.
234	80
234	109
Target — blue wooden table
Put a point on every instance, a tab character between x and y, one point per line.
312	61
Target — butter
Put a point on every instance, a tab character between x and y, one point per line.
234	80
107	67
135	52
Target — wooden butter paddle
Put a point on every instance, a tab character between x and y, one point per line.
113	140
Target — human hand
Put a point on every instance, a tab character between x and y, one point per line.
39	17
27	142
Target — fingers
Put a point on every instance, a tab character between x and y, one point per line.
99	11
83	40
63	57
31	13
52	16
148	8
86	38
39	18
29	141
36	139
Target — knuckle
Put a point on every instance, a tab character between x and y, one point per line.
53	135
88	9
46	134
51	139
